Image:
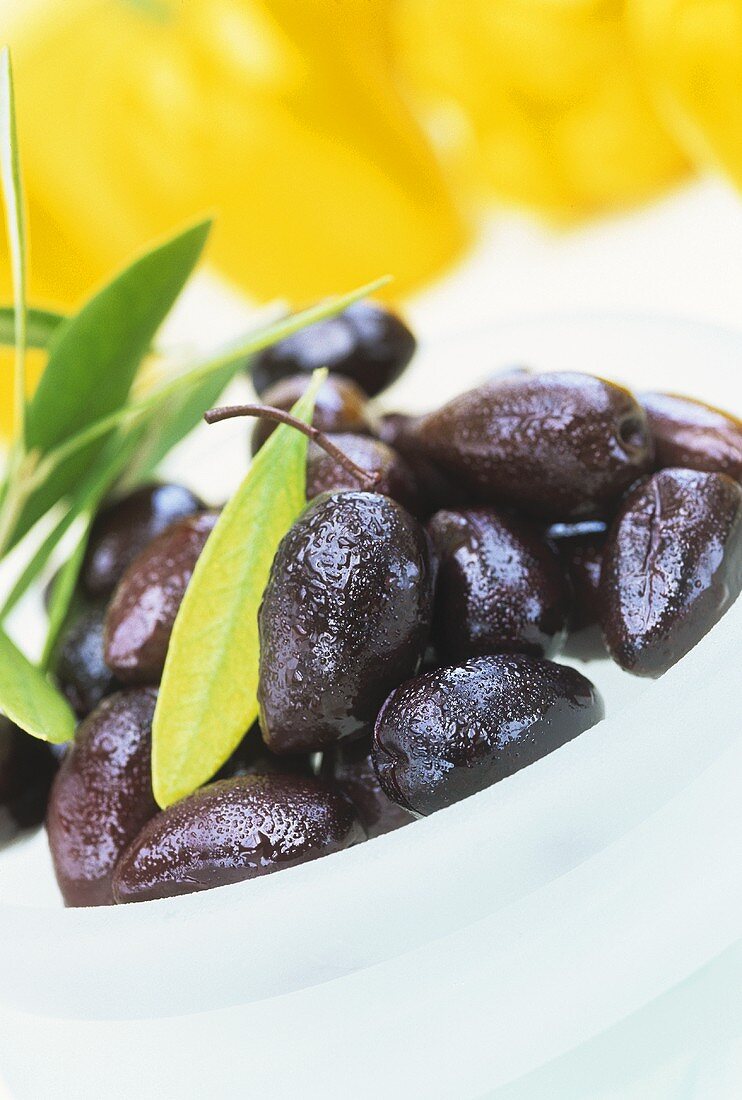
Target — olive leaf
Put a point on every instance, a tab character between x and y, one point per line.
28	699
208	695
93	360
41	324
10	177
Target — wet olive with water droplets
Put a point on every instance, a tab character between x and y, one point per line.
396	480
102	796
350	766
436	489
672	567
142	612
453	732
27	768
366	342
500	587
558	446
693	435
122	529
340	406
233	830
344	619
79	664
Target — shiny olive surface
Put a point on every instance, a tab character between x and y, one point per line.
500	587
124	528
233	830
557	446
396	480
79	663
341	406
672	567
453	732
144	606
345	618
692	435
366	342
102	796
581	547
349	765
27	767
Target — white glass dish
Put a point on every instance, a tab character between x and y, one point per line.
506	932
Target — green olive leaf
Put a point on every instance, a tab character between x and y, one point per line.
28	699
10	177
41	324
93	360
171	409
208	695
85	501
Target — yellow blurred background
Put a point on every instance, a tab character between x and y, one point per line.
335	140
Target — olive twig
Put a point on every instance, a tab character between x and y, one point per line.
367	478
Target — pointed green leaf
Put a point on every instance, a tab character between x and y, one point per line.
41	324
208	695
10	176
29	700
93	360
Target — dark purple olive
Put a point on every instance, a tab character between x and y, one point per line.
558	446
396	480
341	406
27	767
695	436
366	342
125	527
252	757
436	490
233	830
350	767
144	606
500	588
80	669
102	796
453	732
345	618
580	547
672	567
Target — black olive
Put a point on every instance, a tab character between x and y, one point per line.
672	567
367	343
341	406
451	733
27	767
694	436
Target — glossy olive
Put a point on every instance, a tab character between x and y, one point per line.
124	528
340	406
453	732
692	435
349	765
233	830
672	567
142	612
27	767
366	342
500	587
102	795
558	446
580	547
396	480
345	618
79	663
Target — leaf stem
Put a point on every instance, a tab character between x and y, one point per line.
368	479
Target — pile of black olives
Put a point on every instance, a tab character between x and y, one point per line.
407	634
